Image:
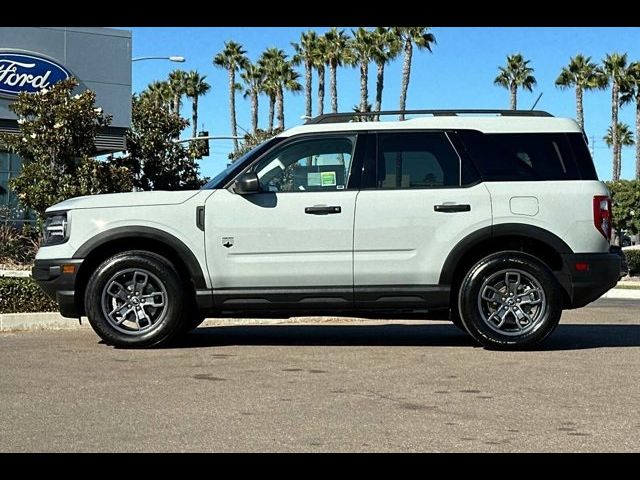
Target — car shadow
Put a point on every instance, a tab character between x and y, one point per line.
565	337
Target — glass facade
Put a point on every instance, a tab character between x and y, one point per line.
10	209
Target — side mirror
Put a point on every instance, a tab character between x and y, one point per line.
247	183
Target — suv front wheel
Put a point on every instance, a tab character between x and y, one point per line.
509	300
135	299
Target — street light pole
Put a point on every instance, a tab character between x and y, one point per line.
173	58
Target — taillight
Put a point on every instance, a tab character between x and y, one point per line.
602	215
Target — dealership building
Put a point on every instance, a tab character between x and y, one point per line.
34	58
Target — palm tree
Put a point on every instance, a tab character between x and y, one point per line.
306	54
177	82
196	86
319	62
269	62
409	36
624	136
516	74
337	52
159	93
615	67
631	93
279	76
288	80
387	47
583	74
362	46
232	58
253	77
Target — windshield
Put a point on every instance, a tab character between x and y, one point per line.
234	168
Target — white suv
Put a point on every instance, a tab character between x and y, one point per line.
496	217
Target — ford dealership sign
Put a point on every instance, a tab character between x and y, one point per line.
28	72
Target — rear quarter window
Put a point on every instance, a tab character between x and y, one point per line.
528	156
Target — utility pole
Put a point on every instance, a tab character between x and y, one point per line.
593	146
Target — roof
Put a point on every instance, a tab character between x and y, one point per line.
483	123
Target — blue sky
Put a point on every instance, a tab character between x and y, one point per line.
458	74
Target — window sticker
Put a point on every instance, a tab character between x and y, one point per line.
328	179
313	179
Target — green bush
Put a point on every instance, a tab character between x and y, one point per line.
633	260
21	295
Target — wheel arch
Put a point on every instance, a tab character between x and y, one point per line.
120	239
530	239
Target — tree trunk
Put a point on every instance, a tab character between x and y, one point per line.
333	85
406	73
194	115
379	86
614	130
232	107
321	90
364	92
308	87
579	108
272	102
513	94
254	110
280	108
176	104
638	137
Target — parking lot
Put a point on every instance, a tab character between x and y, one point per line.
328	386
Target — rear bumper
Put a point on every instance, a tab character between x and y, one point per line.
584	286
58	285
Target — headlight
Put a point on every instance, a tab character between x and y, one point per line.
56	229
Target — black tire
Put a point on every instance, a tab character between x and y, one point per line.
163	280
521	301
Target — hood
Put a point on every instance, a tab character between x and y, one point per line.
132	199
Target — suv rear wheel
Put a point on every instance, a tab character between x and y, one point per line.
509	300
136	299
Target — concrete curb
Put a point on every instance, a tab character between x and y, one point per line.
55	321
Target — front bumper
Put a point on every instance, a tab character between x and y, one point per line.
59	286
582	285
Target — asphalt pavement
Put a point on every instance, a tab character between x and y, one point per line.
328	386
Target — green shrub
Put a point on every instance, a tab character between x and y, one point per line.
633	260
21	295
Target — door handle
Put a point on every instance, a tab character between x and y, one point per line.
323	210
452	207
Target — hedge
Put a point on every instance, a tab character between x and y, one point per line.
22	295
633	260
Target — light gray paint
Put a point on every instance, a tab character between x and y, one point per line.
99	57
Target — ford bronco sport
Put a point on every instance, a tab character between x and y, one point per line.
496	216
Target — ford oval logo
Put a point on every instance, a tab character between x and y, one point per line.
26	72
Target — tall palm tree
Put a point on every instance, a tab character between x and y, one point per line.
270	62
337	52
232	58
409	36
196	86
253	77
583	74
319	62
178	84
387	47
279	76
160	93
362	47
615	66
517	73
631	93
306	54
288	80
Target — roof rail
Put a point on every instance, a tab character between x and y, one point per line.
346	116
